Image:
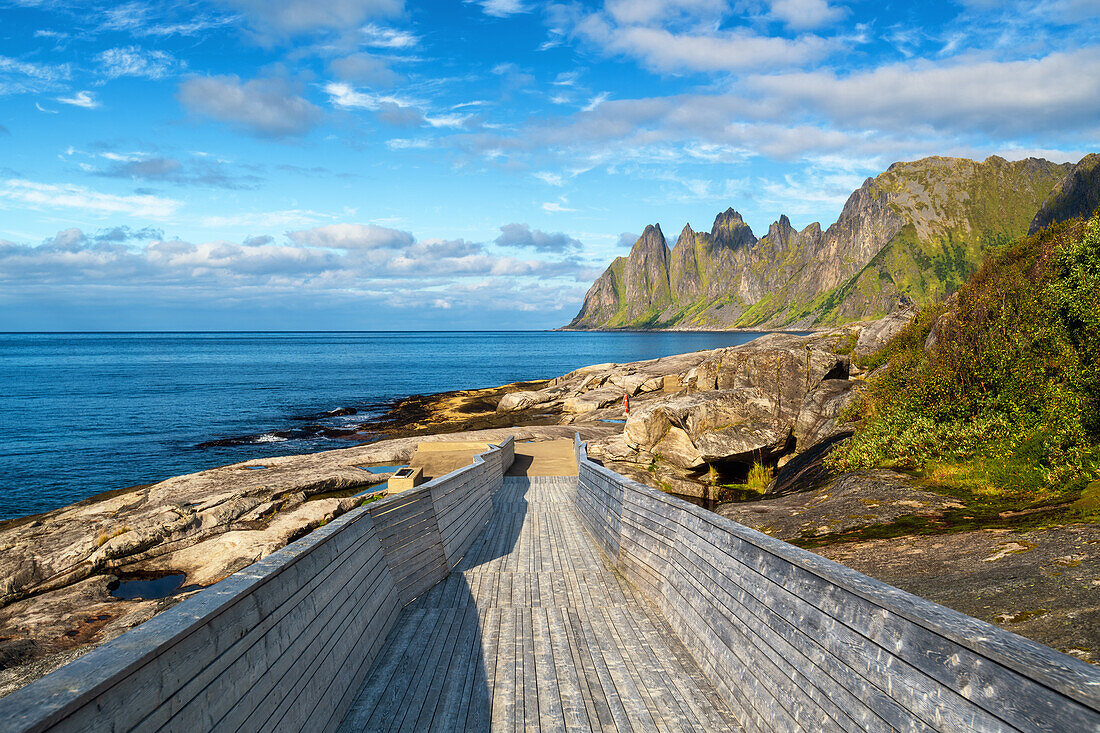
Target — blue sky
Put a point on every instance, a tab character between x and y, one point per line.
388	164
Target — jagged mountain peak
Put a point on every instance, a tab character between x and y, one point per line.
781	229
687	234
731	230
652	239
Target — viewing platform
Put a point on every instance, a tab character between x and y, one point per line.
535	630
534	589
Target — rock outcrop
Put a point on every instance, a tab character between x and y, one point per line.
911	235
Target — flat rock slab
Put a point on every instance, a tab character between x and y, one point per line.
856	499
533	631
1043	584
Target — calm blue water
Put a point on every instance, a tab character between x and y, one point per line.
86	413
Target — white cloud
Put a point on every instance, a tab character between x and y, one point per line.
19	77
712	51
264	219
522	235
1058	91
292	17
71	196
381	37
352	236
501	8
447	120
364	68
408	144
268	107
595	102
566	79
806	14
348	97
552	179
146	20
85	99
557	207
133	61
635	12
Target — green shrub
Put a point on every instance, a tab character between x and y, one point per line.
1014	375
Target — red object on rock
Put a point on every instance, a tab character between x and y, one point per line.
626	403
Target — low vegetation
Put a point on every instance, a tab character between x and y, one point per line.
994	394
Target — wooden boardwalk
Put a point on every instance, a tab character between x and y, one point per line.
535	630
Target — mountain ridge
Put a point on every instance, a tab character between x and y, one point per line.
911	234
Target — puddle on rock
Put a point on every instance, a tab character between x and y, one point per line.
255	468
381	469
146	587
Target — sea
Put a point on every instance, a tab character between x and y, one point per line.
84	413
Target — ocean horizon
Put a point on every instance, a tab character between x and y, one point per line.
88	412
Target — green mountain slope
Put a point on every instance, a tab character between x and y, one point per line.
913	233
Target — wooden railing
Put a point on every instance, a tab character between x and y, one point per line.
797	642
283	644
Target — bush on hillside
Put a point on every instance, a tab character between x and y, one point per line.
1013	376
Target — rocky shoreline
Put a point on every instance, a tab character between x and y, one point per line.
698	425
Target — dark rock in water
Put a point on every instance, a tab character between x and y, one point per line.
1078	194
338	412
339	432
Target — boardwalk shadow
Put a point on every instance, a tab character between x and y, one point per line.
433	673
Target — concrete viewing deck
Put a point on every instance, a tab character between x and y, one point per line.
535	630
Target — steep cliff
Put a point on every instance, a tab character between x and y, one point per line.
1076	195
911	234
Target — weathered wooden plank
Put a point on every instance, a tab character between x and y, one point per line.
378	683
477	706
577	711
835	679
505	685
457	679
532	677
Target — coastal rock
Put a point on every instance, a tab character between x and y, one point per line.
805	470
742	403
514	401
592	401
820	411
874	334
677	448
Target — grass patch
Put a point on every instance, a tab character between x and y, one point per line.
754	487
105	537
